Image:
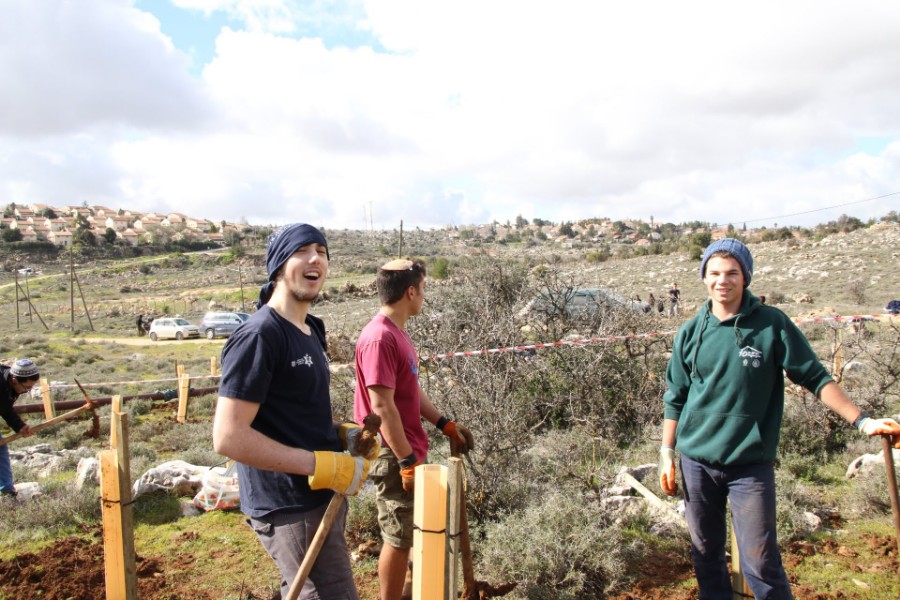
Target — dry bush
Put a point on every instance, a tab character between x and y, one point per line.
870	368
609	389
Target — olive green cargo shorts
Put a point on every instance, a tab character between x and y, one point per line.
395	506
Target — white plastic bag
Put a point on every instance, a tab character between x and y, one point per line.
219	489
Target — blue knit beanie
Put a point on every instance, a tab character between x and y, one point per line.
738	250
24	368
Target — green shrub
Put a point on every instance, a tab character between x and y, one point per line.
560	546
60	510
440	269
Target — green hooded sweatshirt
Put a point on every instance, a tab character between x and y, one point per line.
726	382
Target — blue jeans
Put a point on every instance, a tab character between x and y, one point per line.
751	490
6	476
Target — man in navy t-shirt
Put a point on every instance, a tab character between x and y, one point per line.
274	418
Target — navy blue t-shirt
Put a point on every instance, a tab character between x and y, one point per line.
270	361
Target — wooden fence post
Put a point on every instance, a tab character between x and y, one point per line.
430	535
49	409
115	407
118	529
213	369
455	498
739	587
184	387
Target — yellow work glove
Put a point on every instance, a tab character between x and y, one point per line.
870	427
462	435
667	471
340	472
351	439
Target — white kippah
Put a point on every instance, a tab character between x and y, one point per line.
24	368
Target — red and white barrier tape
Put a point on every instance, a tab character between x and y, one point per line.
582	342
593	340
848	319
613	338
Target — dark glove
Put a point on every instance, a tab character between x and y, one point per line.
356	443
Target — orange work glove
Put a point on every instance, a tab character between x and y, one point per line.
667	471
461	434
408	477
872	427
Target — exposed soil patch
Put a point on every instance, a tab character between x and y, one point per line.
74	568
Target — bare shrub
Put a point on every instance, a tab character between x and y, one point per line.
776	297
857	290
608	389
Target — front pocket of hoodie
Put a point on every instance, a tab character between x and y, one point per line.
720	438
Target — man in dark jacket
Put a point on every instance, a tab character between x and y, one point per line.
723	409
14	381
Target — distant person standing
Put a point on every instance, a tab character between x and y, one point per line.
651	300
674	300
14	381
140	325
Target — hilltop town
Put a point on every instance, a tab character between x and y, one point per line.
66	225
88	225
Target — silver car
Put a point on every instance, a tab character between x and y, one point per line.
172	328
221	324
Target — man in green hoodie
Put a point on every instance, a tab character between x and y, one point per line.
723	411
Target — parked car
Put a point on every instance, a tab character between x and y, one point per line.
581	303
221	324
176	328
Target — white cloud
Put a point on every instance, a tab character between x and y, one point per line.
70	67
467	111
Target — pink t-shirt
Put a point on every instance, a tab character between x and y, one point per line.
385	356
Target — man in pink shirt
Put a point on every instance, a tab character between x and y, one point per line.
387	383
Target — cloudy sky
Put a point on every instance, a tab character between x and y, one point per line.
454	112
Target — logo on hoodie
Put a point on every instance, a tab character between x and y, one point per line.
751	356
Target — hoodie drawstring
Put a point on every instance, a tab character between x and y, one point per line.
738	340
694	373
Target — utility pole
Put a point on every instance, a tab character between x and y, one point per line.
241	278
400	246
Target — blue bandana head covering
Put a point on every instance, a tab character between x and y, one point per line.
735	248
282	244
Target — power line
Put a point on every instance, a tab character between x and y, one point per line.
806	212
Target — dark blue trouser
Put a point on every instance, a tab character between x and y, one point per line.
6	474
751	491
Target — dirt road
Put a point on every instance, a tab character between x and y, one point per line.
145	341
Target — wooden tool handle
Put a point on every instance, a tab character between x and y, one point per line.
49	423
892	483
370	429
470	587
